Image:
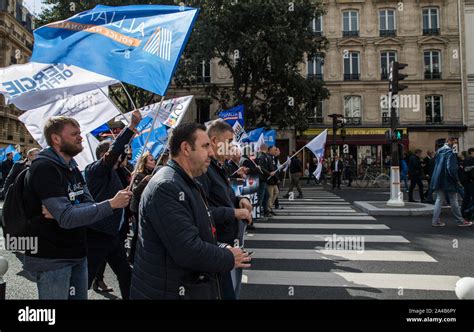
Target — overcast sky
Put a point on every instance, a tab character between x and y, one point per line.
35	6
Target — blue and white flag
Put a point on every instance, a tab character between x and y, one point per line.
270	137
7	150
316	145
235	117
138	44
155	145
254	135
32	85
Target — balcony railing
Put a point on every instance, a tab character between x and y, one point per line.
431	32
354	33
353	120
316	120
387	33
351	77
437	119
318	77
432	75
386	120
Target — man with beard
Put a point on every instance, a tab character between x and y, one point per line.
58	206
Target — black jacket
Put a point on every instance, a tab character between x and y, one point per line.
295	166
222	201
5	167
139	185
16	169
177	255
414	166
468	172
340	166
231	168
265	161
104	182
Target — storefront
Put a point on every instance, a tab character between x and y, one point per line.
368	146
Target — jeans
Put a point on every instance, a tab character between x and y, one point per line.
68	283
455	209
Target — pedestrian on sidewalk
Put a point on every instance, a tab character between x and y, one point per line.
446	182
350	169
468	179
415	171
336	170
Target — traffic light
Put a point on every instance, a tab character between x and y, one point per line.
398	134
395	77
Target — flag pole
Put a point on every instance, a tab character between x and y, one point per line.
180	118
146	142
126	92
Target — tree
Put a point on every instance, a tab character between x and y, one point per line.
262	44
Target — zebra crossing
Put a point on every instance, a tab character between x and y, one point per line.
321	247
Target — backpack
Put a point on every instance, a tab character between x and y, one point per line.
14	219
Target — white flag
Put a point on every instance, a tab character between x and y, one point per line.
259	143
87	156
316	145
33	84
91	109
170	114
287	163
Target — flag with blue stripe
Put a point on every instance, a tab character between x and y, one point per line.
156	142
138	44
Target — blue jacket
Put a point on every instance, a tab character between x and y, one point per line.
403	168
445	173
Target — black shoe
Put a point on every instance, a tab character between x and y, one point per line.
267	214
101	286
272	213
251	227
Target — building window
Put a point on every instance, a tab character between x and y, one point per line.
350	23
204	72
316	25
351	66
386	58
432	60
434	109
315	68
203	110
352	110
386	115
387	23
4	5
317	117
430	21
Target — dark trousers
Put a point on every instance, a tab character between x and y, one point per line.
105	248
311	176
414	181
228	292
336	178
468	199
262	196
